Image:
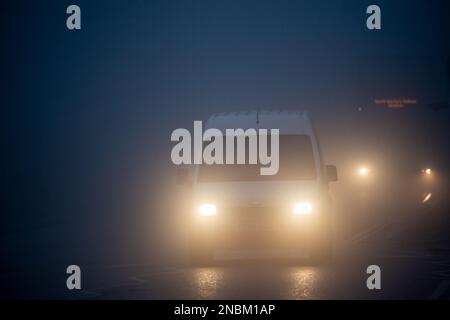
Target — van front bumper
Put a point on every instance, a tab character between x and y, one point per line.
259	226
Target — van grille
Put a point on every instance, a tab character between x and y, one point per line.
260	217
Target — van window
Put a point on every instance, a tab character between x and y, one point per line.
296	163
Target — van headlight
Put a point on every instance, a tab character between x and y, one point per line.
301	208
207	209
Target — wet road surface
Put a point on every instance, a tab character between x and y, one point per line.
417	269
405	274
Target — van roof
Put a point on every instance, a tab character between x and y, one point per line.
288	121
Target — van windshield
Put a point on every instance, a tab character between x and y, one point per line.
296	162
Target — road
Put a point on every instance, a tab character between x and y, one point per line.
411	268
406	275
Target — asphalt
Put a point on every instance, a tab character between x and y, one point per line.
413	256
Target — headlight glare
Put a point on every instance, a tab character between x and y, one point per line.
301	208
207	210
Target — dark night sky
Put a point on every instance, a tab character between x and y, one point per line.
89	113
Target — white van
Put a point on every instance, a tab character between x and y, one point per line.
236	206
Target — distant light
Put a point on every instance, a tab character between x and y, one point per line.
427	197
363	171
427	171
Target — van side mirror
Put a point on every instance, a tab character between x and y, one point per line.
331	173
184	177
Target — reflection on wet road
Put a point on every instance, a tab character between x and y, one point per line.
262	282
304	283
404	276
208	280
237	282
285	283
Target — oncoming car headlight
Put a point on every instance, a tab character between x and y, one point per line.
302	208
207	210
